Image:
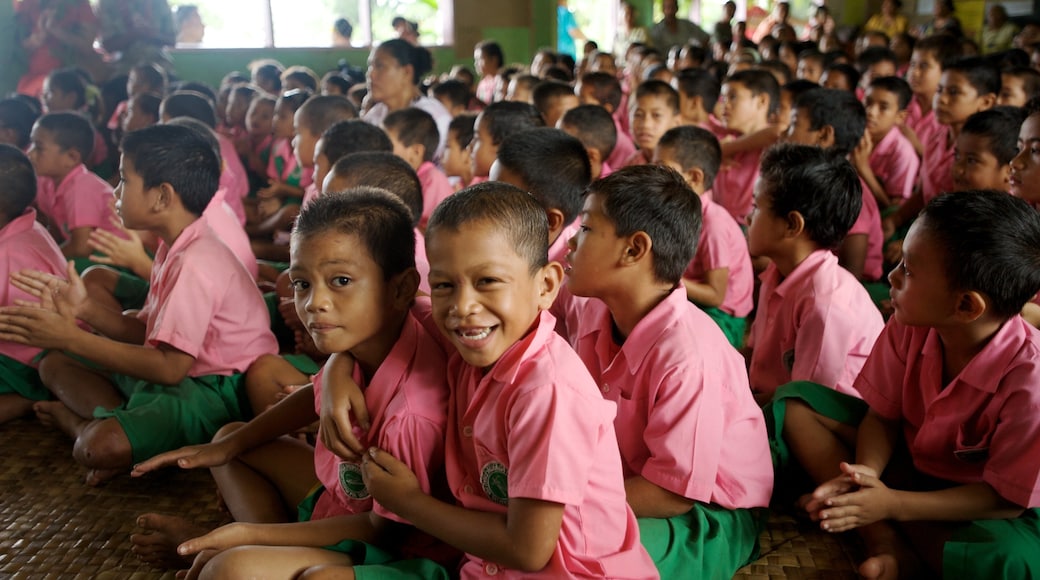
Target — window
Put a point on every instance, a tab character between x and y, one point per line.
285	23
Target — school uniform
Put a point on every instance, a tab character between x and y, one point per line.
937	166
535	426
558	250
925	125
734	186
895	163
233	177
80	200
817	324
868	223
221	217
435	189
639	157
422	263
283	167
605	170
623	146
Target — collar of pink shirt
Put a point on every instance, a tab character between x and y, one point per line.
508	365
18	225
801	272
986	369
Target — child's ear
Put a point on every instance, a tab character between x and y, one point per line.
417	152
826	137
901	117
639	247
594	156
72	156
165	199
556	224
403	288
971	306
795	224
987	101
695	176
550	278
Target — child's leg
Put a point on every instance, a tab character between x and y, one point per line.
327	573
13	406
265	484
101	286
267	379
79	387
818	443
889	555
101	445
272	562
160	535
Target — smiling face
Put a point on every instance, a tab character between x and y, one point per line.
483	293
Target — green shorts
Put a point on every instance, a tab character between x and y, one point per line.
732	326
995	548
131	290
158	418
706	542
21	379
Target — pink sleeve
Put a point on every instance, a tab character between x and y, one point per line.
419	444
823	343
87	205
903	168
880	382
185	305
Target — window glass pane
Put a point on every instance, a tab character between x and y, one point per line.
432	21
312	26
595	21
230	24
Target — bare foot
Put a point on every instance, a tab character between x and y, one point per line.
157	544
96	477
880	567
56	414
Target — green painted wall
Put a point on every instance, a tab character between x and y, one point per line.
10	70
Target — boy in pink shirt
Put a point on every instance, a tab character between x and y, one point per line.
593	126
885	159
498	121
985	148
531	455
815	322
79	201
693	442
414	135
202	325
604	90
24	244
948	417
923	74
719	279
656	110
362	235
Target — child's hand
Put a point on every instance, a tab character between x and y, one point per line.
274	189
871	502
388	480
833	488
66	297
190	457
207	546
861	154
338	398
128	252
39	325
200	561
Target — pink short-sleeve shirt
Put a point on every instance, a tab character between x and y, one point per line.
869	223
895	163
925	125
203	302
227	227
937	166
407	402
735	184
535	426
81	200
722	245
233	177
983	426
422	263
435	189
558	250
818	324
25	245
623	147
686	419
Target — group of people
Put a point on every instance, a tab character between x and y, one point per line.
558	320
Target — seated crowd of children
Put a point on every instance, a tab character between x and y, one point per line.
566	323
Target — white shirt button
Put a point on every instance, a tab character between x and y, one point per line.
467	431
605	388
491	569
467	488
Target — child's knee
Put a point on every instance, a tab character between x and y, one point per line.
227	430
326	573
237	562
53	366
103	444
797	415
100	278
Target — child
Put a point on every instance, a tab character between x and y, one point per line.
947	418
525	504
1018	85
520	89
414	135
605	90
76	202
456	162
202	325
342	139
841	76
835	120
747	99
362	235
24	244
885	158
656	110
810	65
594	127
688	428
985	148
874	63
289	175
553	167
553	99
814	322
144	79
719	279
488	59
924	74
498	121
698	95
16	122
236	111
789	95
260	130
141	111
454	95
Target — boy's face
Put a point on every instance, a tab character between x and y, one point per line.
765	228
483	150
920	293
741	109
283	121
975	166
957	99
237	107
322	167
340	293
878	70
557	108
882	112
456	158
810	69
800	130
48	158
484	296
135	118
304	142
1025	167
924	73
651	118
133	201
833	79
260	119
1012	91
594	250
409	154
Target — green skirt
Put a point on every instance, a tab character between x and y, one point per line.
995	549
706	542
21	379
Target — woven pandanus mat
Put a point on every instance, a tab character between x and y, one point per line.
797	548
52	525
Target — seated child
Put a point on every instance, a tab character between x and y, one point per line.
287	175
810	65
1018	85
815	322
937	465
16	122
985	147
498	121
552	166
885	159
520	89
841	76
75	201
835	120
24	244
141	111
69	90
693	443
874	63
260	135
594	127
453	94
362	235
540	502
456	162
604	89
719	279
169	376
235	113
698	94
924	74
414	135
656	110
553	99
143	79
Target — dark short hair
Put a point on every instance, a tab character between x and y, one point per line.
553	166
999	126
69	81
874	55
898	87
19	182
320	112
190	104
387	171
148	104
463	126
1030	79
595	127
656	200
509	209
991	242
546	92
694	147
697	82
776	66
160	155
353	136
820	185
337	79
797	88
506	118
759	82
840	110
375	216
270	71
303	76
201	88
343	27
454	90
414	126
944	48
490	48
70	131
981	73
153	75
18	116
659	89
846	70
606	88
205	132
407	54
